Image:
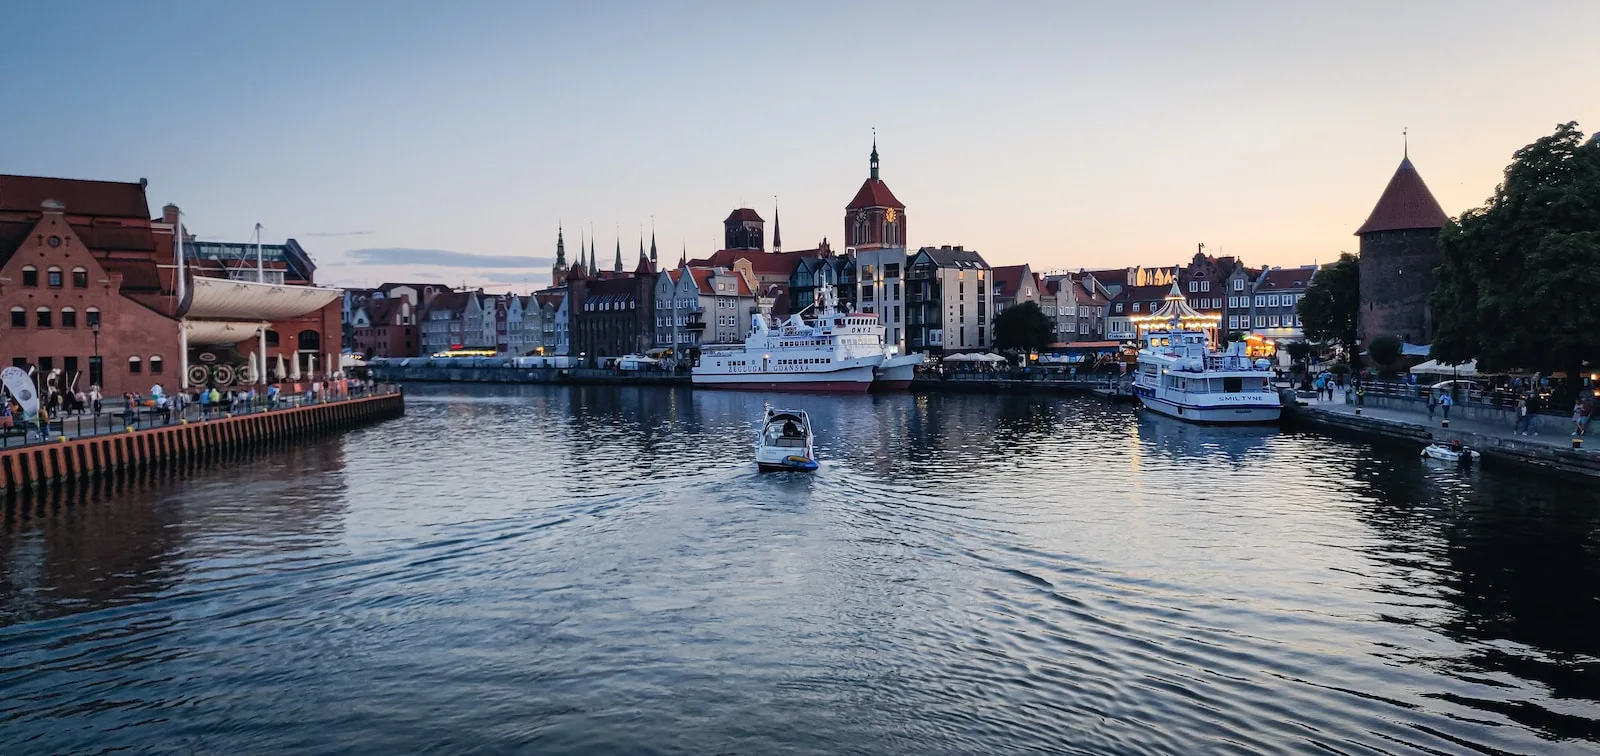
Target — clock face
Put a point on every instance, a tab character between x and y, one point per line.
861	215
890	215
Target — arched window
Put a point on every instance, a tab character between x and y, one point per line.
19	317
91	317
42	318
30	275
69	317
53	277
80	277
272	338
135	366
309	341
155	365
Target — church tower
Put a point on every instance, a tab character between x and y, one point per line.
1399	250
558	272
874	219
744	229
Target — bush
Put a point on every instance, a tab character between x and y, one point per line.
1385	351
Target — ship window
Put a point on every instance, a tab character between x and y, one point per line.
1232	385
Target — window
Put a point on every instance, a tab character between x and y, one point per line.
1261	321
80	277
53	277
1119	307
155	365
30	275
70	365
1135	306
43	318
46	364
1233	322
69	317
19	317
1272	300
134	366
1238	284
1205	286
1194	286
1233	301
1261	300
272	338
1273	320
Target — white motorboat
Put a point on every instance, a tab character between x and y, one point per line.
785	442
1179	374
897	371
1448	454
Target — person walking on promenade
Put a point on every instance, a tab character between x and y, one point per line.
205	403
1433	401
1520	427
94	398
1447	401
1361	395
1534	405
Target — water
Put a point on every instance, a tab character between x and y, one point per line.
591	570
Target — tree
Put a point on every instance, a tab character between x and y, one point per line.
1516	288
1329	308
1385	350
1022	327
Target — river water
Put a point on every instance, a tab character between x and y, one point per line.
601	570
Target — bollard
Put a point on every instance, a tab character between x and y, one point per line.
1358	409
1577	442
1445	424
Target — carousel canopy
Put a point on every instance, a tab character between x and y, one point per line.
222	298
1434	367
1175	312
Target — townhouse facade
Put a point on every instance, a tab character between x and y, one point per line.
951	301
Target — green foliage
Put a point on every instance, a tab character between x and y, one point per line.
1235	336
1329	308
1023	327
1298	350
1385	350
1518	282
1339	368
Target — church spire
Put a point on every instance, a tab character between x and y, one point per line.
652	240
616	267
777	230
593	268
874	153
561	248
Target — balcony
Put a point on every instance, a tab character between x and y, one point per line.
695	325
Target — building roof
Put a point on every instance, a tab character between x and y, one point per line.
762	263
551	300
954	257
1114	276
1284	279
1142	293
106	199
1405	204
1008	279
874	193
384	311
450	301
744	214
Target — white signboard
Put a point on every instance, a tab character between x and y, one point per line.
16	381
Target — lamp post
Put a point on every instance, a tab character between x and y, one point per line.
94	364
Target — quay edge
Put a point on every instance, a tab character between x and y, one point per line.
42	466
1495	450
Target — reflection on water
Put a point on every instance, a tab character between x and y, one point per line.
599	569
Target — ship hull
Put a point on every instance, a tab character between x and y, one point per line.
1216	414
896	373
855	379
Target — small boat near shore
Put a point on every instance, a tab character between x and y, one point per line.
1449	453
785	442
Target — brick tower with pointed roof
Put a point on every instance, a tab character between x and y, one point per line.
1399	250
874	219
558	272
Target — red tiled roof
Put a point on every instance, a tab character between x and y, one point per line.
1009	278
108	238
743	214
874	193
140	275
111	199
1405	204
762	263
1287	278
550	300
383	311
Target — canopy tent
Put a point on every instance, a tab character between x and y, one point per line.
222	332
1466	369
1415	350
227	299
974	357
1175	313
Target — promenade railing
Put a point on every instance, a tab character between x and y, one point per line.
114	417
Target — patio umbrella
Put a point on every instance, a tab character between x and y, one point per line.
294	369
280	372
254	376
328	365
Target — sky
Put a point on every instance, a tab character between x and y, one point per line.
430	141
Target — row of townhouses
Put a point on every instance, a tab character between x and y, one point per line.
931	299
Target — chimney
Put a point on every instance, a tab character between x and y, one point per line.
169	214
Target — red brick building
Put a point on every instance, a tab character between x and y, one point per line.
90	288
386	328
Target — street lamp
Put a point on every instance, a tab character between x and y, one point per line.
94	364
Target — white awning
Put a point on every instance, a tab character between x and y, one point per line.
1434	367
223	298
219	332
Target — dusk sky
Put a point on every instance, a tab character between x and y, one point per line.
434	141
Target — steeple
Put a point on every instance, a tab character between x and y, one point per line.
593	268
1405	204
561	248
874	153
777	230
652	240
641	247
683	261
616	267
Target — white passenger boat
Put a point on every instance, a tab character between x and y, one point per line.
785	442
896	372
1179	375
836	352
1449	453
